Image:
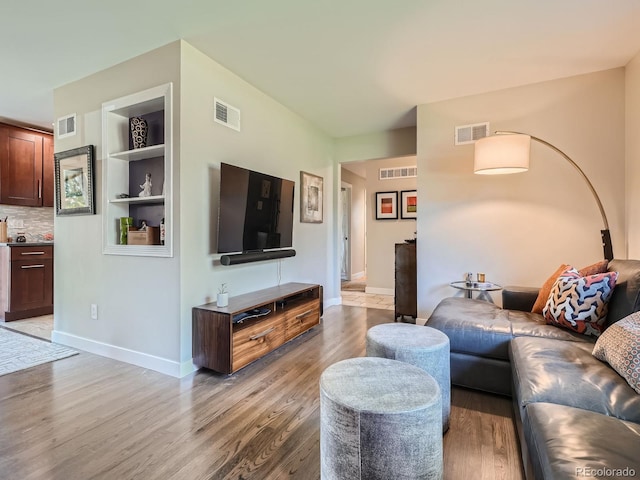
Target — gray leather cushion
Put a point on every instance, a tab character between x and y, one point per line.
473	326
533	325
563	439
481	328
565	373
519	298
481	373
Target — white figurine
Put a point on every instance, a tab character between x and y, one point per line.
146	186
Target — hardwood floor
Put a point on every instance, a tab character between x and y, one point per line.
89	417
40	327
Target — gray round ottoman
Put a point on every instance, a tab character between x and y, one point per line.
424	347
379	419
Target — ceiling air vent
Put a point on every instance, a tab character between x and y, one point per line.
227	115
398	172
66	126
470	133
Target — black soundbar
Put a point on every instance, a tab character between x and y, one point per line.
237	258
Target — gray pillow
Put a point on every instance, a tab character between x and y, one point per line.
619	346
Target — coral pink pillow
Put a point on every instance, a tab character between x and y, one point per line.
580	303
598	267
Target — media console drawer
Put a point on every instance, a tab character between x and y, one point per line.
256	340
301	318
224	346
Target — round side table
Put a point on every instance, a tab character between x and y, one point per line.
481	287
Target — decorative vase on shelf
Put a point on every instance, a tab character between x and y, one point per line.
139	130
223	300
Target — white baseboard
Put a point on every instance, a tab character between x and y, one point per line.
144	360
332	302
380	291
357	276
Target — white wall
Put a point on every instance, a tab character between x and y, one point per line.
382	235
358	222
138	298
632	152
518	228
145	303
392	143
272	140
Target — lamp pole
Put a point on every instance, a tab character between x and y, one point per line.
605	234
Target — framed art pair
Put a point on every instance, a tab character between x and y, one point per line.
387	205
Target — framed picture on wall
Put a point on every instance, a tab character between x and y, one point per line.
386	205
74	182
408	204
311	198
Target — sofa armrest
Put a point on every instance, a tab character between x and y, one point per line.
519	298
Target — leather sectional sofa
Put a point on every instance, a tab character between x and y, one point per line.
576	416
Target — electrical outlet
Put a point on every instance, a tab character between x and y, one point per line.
94	311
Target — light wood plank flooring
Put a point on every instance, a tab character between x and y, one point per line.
88	417
40	327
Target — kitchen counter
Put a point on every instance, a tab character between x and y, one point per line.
26	280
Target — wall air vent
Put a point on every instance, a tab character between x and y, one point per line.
226	114
398	172
66	126
470	133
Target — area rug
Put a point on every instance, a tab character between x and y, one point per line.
19	351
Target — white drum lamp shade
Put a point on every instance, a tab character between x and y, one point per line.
500	154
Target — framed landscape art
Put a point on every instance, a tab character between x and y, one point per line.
74	182
386	205
311	198
409	204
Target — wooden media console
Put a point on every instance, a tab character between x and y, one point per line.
225	339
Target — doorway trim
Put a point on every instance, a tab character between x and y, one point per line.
346	190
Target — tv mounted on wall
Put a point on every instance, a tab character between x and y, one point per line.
256	213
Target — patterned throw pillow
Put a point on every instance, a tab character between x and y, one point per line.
580	303
545	290
619	346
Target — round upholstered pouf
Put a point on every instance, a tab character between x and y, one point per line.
424	347
379	419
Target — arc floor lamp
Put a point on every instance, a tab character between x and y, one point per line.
509	152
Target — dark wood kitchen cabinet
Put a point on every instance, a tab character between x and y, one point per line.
48	172
26	167
406	298
26	281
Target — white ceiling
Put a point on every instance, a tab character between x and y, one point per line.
348	66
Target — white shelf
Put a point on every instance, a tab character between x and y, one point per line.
151	199
140	153
133	106
138	250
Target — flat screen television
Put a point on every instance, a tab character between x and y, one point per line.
255	211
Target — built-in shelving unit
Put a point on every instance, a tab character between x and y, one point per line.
124	169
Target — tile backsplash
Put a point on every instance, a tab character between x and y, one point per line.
36	221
